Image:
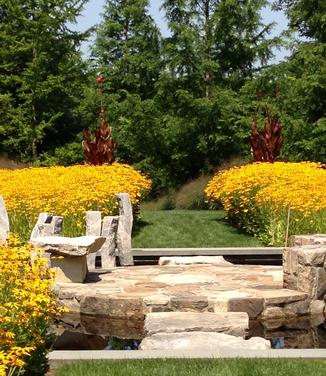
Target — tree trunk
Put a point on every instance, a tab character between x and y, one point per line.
207	73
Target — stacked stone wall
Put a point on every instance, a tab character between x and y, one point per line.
304	266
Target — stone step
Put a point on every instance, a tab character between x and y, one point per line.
201	340
233	323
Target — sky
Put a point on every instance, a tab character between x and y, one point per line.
92	15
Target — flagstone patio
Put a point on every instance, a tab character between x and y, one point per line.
132	292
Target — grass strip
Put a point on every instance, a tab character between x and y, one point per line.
203	367
188	228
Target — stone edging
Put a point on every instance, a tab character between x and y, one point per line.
58	356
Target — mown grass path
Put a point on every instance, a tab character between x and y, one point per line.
188	228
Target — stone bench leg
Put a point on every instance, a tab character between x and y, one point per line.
4	223
93	227
109	231
69	269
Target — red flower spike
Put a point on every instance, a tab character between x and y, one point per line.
266	144
100	79
100	150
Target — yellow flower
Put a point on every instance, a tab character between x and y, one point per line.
67	191
26	304
258	196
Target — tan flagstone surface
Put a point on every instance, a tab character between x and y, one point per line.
133	292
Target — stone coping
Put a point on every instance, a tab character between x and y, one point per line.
219	251
63	355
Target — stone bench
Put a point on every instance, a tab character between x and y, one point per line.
68	256
71	258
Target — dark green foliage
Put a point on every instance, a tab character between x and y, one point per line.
306	16
177	116
215	42
296	91
127	47
201	131
177	105
69	154
193	136
41	73
242	42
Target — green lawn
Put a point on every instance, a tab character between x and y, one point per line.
194	367
187	228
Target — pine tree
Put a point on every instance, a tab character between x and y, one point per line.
41	73
127	47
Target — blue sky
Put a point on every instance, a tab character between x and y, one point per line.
93	10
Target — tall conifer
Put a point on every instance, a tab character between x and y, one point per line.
127	47
215	42
40	73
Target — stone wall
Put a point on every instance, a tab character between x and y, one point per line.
304	266
300	240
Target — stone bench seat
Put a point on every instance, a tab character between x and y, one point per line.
68	256
63	246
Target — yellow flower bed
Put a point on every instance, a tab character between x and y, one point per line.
26	303
67	191
258	197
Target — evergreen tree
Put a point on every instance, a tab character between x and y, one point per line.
295	88
216	42
296	93
306	16
127	47
41	73
242	45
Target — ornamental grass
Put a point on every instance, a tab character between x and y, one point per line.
266	199
67	191
26	306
